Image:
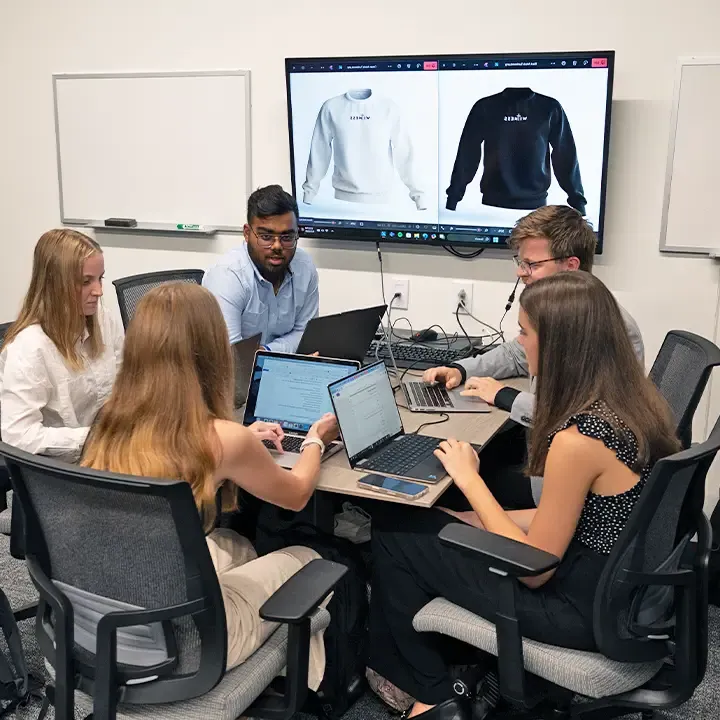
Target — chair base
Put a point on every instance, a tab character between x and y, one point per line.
25	612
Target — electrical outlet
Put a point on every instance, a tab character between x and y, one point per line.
399	285
458	288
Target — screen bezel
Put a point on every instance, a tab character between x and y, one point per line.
249	416
363	235
367	452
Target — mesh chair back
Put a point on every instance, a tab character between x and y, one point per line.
131	289
632	622
680	372
125	543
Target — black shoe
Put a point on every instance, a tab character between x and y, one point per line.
458	708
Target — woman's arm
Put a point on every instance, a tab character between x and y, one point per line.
26	390
246	462
574	462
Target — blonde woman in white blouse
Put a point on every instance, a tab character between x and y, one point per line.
60	357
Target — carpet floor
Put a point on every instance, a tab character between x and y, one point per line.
16	584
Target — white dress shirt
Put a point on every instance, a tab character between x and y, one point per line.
45	407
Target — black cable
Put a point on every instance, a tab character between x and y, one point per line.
382	276
464	256
445	417
457	317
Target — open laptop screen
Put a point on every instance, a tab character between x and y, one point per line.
366	410
292	390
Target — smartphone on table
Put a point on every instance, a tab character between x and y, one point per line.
393	486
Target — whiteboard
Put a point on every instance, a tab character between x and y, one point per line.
693	165
161	148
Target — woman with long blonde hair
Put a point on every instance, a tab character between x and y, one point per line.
600	426
60	357
170	416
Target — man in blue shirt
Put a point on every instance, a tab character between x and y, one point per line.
267	285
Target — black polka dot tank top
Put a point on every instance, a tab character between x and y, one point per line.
604	516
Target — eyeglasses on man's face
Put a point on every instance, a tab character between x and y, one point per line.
267	239
526	266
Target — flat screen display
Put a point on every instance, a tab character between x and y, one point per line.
446	150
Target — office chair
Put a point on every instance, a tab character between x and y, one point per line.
650	609
131	616
681	372
130	289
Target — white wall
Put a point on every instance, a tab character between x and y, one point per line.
39	37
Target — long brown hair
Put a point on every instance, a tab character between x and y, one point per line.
176	378
53	298
585	356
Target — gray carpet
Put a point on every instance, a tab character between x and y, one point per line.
16	584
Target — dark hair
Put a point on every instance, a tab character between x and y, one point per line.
585	356
568	233
269	201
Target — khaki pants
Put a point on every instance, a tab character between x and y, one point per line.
246	582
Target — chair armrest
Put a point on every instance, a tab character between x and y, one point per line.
298	598
504	555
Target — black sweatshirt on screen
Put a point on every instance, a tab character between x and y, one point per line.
518	127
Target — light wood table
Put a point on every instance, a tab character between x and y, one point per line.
476	428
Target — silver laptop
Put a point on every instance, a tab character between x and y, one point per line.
423	397
292	390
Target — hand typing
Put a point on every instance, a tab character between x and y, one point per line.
459	460
268	431
485	388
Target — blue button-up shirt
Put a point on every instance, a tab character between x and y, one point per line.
250	306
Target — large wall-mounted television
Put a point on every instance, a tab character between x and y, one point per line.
446	149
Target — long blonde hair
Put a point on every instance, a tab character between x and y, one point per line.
585	356
53	298
176	377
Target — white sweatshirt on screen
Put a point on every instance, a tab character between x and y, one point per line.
366	135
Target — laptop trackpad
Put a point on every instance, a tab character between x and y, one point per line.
430	470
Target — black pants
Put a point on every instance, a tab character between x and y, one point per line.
411	567
502	463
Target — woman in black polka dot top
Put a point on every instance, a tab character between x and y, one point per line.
599	427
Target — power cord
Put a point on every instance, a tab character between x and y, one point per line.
464	256
445	417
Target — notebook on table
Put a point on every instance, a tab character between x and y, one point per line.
292	390
372	430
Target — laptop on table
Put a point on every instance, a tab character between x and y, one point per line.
423	397
345	335
244	358
292	390
372	430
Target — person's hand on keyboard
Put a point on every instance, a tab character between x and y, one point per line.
268	431
452	377
326	428
485	388
459	460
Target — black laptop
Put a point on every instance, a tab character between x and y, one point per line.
346	335
244	358
372	430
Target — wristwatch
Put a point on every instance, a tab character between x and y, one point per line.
313	441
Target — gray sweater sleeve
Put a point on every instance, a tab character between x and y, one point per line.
504	361
508	360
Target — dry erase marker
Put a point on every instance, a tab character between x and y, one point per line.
185	226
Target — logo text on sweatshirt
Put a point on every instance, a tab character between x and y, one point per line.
515	118
362	116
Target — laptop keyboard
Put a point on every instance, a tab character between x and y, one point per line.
402	455
429	395
290	443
